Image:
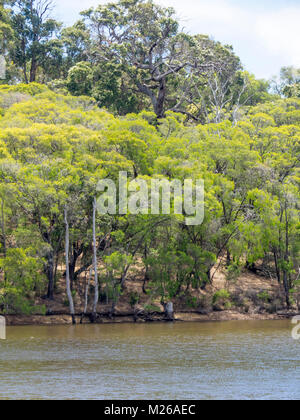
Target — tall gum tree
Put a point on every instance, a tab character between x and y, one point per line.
145	39
33	31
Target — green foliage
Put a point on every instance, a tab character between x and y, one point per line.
6	31
221	295
130	57
54	149
288	83
124	90
264	296
22	278
33	33
134	299
192	302
152	309
80	81
233	272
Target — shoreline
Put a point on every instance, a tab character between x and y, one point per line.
222	316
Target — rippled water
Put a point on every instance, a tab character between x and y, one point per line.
244	360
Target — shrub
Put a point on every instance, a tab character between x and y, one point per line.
134	299
264	296
192	302
221	294
151	308
221	300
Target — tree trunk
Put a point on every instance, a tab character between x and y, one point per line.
228	259
169	310
124	275
208	273
146	280
286	260
75	254
69	293
3	228
277	267
24	62
3	237
72	265
33	70
96	297
86	295
160	102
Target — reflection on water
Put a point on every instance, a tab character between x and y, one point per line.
244	360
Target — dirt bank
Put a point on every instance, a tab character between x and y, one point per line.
250	297
65	319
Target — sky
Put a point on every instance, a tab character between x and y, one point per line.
265	34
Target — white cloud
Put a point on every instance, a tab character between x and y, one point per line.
280	33
265	40
218	15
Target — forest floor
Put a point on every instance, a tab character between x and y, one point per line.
250	297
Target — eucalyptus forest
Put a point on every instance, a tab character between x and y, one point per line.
126	89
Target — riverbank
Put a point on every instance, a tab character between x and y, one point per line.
65	319
249	297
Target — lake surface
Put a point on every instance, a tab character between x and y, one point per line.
244	360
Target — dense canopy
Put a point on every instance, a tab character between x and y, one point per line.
125	89
54	150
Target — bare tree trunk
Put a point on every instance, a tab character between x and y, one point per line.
159	106
86	295
69	293
277	267
3	236
3	228
169	311
33	70
286	259
96	297
146	277
24	61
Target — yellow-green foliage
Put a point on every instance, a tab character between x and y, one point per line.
55	148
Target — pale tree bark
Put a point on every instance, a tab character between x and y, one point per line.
96	297
3	228
286	259
3	235
169	310
68	285
86	295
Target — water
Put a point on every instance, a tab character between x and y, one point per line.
231	360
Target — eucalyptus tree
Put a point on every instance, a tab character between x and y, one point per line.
6	31
287	83
33	31
144	38
68	285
